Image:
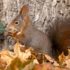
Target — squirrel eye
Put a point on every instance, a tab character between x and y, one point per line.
16	22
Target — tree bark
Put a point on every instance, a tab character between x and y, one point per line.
42	12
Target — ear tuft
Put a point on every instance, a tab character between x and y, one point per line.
24	10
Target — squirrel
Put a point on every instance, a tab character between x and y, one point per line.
58	39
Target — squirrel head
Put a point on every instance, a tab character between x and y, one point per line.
20	22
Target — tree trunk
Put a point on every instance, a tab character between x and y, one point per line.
42	12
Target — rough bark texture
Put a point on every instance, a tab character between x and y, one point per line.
42	12
1	9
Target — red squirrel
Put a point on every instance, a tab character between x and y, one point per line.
58	39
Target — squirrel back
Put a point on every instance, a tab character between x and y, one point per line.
58	39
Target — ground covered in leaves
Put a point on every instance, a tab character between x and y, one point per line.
25	59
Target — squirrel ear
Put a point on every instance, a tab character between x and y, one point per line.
24	10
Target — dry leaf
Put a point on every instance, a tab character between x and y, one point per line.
61	58
22	55
7	56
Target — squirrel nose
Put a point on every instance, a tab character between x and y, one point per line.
12	29
9	29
